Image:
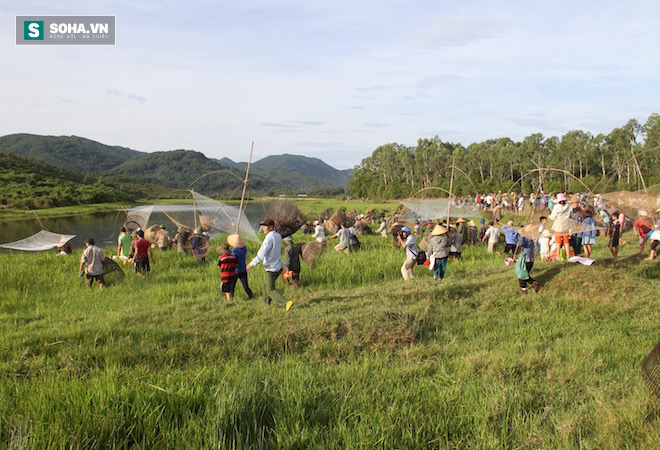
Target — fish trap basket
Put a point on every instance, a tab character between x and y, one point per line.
651	370
288	218
112	272
310	253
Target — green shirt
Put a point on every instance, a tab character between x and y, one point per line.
125	241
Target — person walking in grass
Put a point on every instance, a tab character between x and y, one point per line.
407	241
124	242
511	238
142	253
438	251
615	235
269	254
588	237
493	235
93	258
291	273
227	266
527	254
239	251
344	234
642	228
561	215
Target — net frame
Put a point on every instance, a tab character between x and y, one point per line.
651	370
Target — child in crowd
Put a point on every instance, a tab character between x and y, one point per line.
615	235
227	266
544	245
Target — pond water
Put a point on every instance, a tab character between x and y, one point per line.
104	227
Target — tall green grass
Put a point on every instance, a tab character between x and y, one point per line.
362	360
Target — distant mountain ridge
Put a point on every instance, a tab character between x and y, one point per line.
306	169
179	169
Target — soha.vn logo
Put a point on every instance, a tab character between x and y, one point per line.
33	30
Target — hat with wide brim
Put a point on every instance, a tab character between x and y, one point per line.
438	230
546	233
236	241
471	223
461	220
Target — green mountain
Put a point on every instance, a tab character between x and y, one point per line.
72	153
28	183
181	169
298	172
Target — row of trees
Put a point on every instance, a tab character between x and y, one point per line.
577	159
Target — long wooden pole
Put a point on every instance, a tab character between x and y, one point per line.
247	173
451	185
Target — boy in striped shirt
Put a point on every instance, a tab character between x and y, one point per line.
227	265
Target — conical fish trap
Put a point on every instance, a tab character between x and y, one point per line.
112	272
310	253
651	370
332	224
288	218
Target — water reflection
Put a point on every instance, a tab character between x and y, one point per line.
104	227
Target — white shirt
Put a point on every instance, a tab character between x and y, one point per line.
269	252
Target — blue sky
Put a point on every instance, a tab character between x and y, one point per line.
333	79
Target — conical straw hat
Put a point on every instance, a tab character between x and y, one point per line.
235	240
438	230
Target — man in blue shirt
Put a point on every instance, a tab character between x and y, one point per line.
511	237
269	254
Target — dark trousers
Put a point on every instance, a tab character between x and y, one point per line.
523	283
244	281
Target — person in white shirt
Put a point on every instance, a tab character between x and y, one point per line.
319	232
270	254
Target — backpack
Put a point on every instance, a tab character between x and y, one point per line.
355	243
520	269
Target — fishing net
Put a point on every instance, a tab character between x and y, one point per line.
138	218
200	246
432	209
151	233
112	272
310	253
213	214
651	370
43	240
630	203
288	218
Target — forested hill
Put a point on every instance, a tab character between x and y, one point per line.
32	184
182	168
179	169
627	158
72	153
301	173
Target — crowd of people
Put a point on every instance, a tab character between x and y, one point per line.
573	233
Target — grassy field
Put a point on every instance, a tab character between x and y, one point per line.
362	360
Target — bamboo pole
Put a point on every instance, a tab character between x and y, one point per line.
247	173
451	185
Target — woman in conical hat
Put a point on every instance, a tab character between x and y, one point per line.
438	251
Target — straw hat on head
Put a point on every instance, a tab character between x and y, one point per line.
438	230
546	234
461	220
236	241
471	223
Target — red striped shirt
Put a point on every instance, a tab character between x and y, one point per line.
227	264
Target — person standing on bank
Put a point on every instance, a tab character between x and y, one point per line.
269	253
407	241
93	256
